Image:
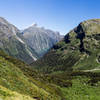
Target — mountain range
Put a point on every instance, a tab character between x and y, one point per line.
70	70
22	44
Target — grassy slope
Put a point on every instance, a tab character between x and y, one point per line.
19	82
6	94
21	79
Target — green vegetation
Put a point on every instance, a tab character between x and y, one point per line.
79	85
15	76
19	81
6	94
73	64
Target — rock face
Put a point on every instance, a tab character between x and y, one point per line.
12	42
40	39
79	50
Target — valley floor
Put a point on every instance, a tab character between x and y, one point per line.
19	82
84	85
80	90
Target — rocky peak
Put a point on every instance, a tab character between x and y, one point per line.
41	39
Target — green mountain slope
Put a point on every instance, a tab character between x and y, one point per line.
19	82
79	50
73	64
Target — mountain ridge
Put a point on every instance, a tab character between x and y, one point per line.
78	48
12	43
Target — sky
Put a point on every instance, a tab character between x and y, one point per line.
57	15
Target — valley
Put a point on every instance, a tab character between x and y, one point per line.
69	69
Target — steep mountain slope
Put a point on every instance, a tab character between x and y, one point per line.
12	43
40	39
19	82
79	50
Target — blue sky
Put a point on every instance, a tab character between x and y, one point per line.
58	15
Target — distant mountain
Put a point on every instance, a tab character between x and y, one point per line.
79	50
40	39
29	46
12	42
